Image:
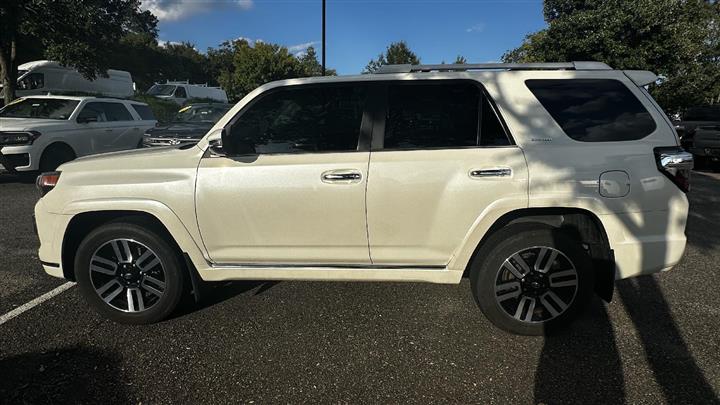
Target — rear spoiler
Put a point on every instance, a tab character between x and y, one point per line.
641	77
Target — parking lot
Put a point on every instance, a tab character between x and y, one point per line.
292	342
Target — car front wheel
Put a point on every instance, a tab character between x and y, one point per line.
129	273
529	280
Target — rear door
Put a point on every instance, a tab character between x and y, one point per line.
440	156
125	131
295	194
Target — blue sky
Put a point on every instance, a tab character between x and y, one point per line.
357	30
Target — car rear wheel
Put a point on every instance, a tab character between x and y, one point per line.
129	273
531	280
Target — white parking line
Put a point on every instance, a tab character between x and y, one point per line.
37	301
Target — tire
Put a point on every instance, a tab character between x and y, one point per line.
55	155
135	288
537	298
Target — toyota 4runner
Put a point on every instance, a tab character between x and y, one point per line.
543	183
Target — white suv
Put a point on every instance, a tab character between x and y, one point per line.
542	182
43	132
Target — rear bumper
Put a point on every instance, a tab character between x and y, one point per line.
50	230
646	242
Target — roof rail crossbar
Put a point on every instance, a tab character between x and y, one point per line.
493	66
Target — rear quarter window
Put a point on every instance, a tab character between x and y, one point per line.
143	111
593	110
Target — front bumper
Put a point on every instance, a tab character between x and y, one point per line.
17	158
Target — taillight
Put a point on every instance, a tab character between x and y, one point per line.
675	163
47	181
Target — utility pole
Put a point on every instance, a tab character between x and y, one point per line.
323	37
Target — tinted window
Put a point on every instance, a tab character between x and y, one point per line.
309	119
116	112
492	132
44	108
702	114
106	112
594	110
432	116
180	92
143	111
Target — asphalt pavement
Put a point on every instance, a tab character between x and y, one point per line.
292	342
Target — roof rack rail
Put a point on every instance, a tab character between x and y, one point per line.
494	66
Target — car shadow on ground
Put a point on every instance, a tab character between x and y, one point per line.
213	293
19	178
70	375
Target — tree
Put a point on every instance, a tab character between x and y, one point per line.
240	66
311	66
396	53
76	33
679	40
460	60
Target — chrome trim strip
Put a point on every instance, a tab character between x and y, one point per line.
241	266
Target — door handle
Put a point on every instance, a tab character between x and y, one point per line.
493	172
341	176
108	130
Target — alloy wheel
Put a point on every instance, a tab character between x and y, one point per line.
127	275
536	284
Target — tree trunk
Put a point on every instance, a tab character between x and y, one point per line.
9	74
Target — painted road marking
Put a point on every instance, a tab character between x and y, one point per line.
37	301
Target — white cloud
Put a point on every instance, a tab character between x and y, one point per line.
476	28
165	43
169	10
299	50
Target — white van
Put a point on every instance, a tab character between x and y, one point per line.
44	76
180	92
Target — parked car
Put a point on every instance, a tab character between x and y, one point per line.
698	129
47	77
43	132
190	124
545	182
180	92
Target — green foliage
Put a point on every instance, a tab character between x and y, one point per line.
150	63
241	67
460	60
679	40
163	110
396	53
75	33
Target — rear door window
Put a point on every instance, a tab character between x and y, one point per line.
143	111
440	116
593	110
116	112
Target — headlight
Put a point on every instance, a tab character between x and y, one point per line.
47	181
18	138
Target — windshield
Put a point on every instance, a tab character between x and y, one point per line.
161	90
43	108
205	113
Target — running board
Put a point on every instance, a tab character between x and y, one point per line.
321	272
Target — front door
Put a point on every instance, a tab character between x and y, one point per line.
294	191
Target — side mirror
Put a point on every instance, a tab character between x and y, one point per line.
236	147
85	120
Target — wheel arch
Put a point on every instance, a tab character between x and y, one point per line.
581	224
57	144
82	222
